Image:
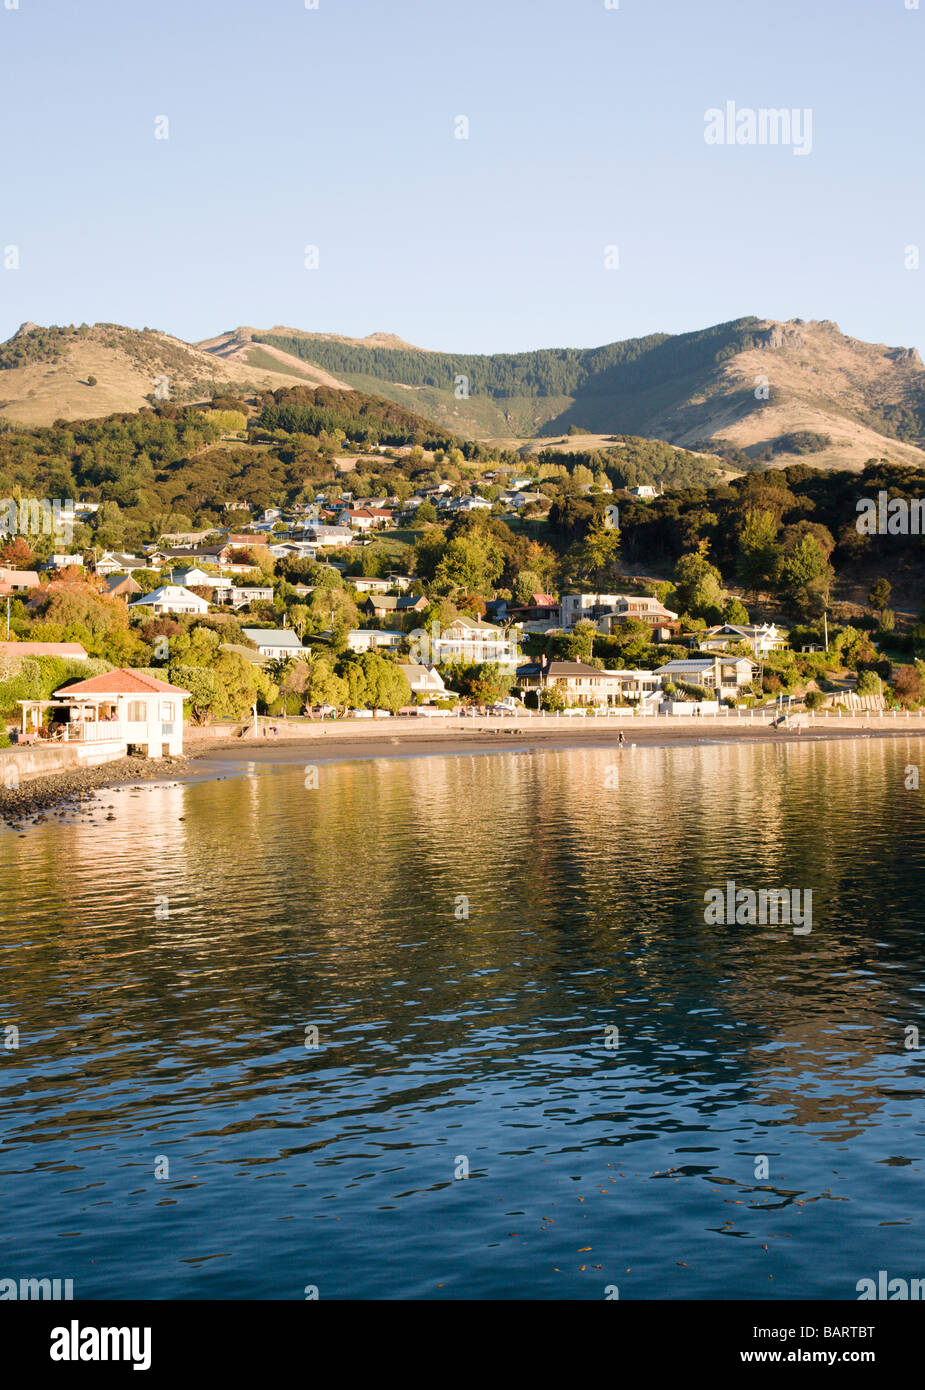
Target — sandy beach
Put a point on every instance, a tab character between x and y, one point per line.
208	757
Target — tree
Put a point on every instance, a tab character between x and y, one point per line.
526	584
386	683
806	576
426	513
908	685
16	554
323	687
735	612
698	587
580	642
601	548
879	596
759	556
471	562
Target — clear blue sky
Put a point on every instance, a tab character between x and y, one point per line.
335	127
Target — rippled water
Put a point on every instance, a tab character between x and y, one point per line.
162	968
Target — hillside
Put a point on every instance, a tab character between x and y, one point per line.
45	373
864	400
844	400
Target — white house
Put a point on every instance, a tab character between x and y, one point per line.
274	642
761	637
471	641
424	680
192	574
239	597
117	562
171	598
574	607
123	707
62	562
725	675
367	639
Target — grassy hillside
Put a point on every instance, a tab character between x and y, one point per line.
747	383
92	371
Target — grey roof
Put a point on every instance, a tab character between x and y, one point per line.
273	637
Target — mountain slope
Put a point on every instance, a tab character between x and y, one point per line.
744	385
45	372
709	385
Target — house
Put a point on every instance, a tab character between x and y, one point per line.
645	493
727	676
641	608
382	605
70	651
365	518
521	499
249	593
134	707
120	586
63	562
469	504
424	680
573	608
539	614
171	598
366	639
366	585
762	638
276	643
471	641
183	538
117	562
582	684
321	534
189	575
17	581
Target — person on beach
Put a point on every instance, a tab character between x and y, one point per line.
622	739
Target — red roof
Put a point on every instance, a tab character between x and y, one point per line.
121	682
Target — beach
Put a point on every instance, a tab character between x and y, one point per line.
208	756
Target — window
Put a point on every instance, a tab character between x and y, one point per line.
137	712
166	709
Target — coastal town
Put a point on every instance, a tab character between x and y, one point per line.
298	613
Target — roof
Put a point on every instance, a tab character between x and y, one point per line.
167	591
65	649
121	682
29	577
272	636
475	624
699	663
573	668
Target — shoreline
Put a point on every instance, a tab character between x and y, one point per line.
206	759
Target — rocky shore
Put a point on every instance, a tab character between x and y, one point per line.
74	790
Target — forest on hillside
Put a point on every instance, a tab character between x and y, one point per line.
614	368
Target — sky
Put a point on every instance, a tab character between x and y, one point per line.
584	206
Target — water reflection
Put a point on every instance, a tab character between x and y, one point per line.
162	968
